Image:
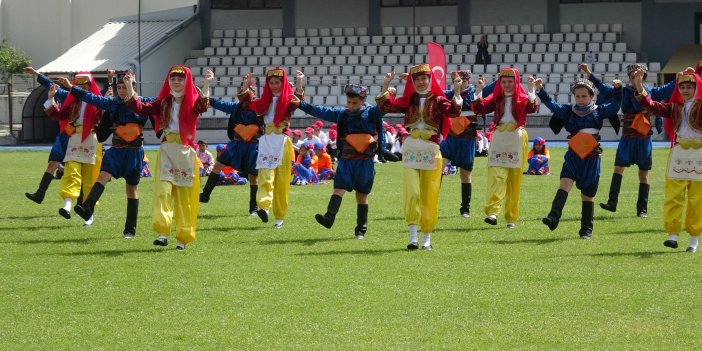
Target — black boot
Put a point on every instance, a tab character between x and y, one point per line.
38	196
556	210
642	202
588	216
327	220
466	192
361	221
611	204
212	180
86	208
130	224
253	207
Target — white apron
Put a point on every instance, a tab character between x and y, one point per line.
685	164
270	150
177	164
418	153
507	149
81	151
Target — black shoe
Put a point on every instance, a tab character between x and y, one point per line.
642	214
412	246
360	232
427	248
180	247
65	214
323	220
608	207
36	197
551	222
586	236
204	198
83	211
465	213
491	221
263	215
129	235
673	244
161	242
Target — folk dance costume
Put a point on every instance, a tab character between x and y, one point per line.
83	152
582	160
176	185
509	145
123	160
460	143
58	149
426	118
635	146
684	171
360	137
244	130
275	151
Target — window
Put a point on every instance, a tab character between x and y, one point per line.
247	4
401	3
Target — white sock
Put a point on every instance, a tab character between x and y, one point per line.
89	221
180	245
278	222
693	241
673	237
426	239
162	237
412	233
67	204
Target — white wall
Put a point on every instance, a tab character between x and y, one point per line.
46	29
341	13
244	19
628	14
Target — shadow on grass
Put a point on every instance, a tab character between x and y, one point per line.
351	252
110	253
23	217
36	227
639	231
481	228
640	254
58	241
216	216
529	241
390	218
308	242
232	229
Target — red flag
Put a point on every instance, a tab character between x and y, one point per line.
437	62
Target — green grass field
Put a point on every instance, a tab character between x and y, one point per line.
245	286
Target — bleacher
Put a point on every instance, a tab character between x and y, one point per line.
332	57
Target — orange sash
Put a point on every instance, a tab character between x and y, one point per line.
246	132
129	132
459	124
70	129
359	142
641	124
583	144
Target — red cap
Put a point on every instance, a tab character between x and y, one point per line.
318	124
309	130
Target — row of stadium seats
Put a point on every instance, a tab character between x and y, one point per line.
423	30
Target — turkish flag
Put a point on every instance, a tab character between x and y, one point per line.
437	62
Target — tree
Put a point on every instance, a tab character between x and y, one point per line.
12	60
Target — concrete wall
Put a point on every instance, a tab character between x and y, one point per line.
424	16
310	13
244	19
502	12
46	29
173	52
666	26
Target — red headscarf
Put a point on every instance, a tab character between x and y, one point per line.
676	98
520	99
698	69
90	110
187	121
263	103
434	89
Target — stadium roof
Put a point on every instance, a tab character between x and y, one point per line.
115	44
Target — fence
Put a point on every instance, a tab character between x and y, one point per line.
13	95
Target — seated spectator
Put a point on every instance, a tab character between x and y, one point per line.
304	170
325	168
331	147
310	137
205	157
538	158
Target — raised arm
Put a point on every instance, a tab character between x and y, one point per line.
658	108
559	110
329	114
44	81
611	107
100	102
663	93
479	105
